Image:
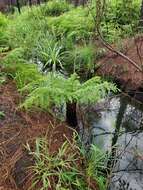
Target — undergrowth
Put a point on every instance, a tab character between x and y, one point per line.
19	69
69	29
55	90
69	168
4	21
55	8
47	44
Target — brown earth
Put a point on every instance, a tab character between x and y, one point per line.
18	128
119	69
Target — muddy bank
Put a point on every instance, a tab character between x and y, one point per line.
121	71
18	128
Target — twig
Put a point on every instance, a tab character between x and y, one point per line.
97	22
108	46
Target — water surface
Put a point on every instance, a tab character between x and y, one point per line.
116	125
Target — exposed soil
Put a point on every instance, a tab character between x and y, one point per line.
18	128
120	70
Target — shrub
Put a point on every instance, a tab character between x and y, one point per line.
13	58
4	21
121	18
54	89
24	31
55	8
111	32
50	53
76	24
124	12
84	60
18	68
25	74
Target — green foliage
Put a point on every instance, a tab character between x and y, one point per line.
3	25
96	165
84	58
94	90
55	8
13	59
59	36
47	91
76	24
3	20
70	166
68	28
26	73
4	49
2	78
111	32
54	89
2	115
61	166
24	31
99	53
121	19
17	67
50	53
124	12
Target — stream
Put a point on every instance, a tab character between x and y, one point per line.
116	125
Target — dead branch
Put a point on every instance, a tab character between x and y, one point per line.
108	46
97	21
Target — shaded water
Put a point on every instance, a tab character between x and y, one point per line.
116	125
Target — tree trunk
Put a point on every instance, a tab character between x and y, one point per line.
38	2
10	3
76	3
71	114
30	3
120	116
10	6
18	6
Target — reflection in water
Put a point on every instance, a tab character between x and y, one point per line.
118	122
128	170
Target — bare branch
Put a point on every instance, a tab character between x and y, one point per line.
97	20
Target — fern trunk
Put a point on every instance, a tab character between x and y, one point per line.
30	3
18	6
71	114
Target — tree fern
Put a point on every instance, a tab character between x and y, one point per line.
54	89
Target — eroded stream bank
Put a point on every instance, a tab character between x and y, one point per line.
116	125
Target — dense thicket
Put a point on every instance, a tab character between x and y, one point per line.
60	38
52	50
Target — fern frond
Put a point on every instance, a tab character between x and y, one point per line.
54	89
